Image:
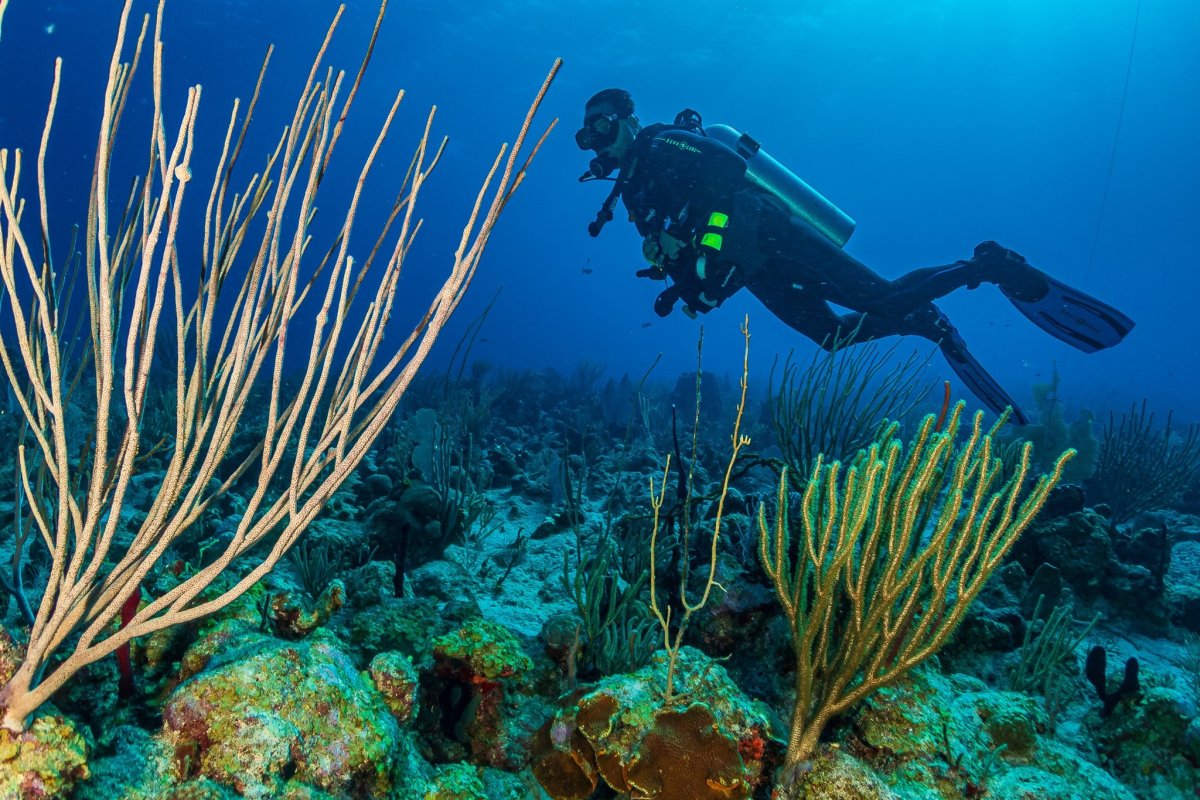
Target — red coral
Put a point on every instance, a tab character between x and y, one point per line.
753	748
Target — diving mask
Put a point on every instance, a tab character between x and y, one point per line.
598	132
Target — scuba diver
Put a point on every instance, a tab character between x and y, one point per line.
717	214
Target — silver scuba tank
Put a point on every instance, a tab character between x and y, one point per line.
803	200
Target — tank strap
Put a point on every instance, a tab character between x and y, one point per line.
747	146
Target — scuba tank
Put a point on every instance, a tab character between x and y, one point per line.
801	199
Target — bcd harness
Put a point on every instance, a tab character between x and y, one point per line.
674	244
664	239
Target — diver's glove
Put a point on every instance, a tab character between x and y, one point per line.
653	273
661	249
664	304
700	291
694	301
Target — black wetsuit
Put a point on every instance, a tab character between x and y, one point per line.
712	231
679	177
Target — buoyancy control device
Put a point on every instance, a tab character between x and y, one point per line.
762	170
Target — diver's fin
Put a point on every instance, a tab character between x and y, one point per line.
976	378
1072	316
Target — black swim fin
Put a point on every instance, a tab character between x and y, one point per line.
1070	315
977	379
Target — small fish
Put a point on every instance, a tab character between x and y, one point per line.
647	324
588	270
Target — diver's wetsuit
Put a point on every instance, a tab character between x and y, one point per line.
680	177
679	181
712	231
798	273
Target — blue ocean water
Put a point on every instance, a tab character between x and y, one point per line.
1066	131
935	124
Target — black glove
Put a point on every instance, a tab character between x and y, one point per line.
653	273
700	289
693	303
664	304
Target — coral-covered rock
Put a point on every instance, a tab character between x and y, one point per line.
262	710
371	584
1028	783
953	735
1065	498
686	755
712	744
484	649
1082	547
729	625
1183	590
403	624
396	679
44	761
143	767
293	618
1011	720
1148	742
562	636
457	782
474	665
137	759
461	781
832	775
1078	544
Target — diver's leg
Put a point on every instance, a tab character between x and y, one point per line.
817	263
1062	311
929	322
805	258
806	312
855	285
803	311
975	377
990	263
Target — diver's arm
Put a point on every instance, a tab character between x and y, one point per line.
693	181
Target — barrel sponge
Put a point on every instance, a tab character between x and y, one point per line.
682	755
685	756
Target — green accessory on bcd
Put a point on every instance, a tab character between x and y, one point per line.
713	234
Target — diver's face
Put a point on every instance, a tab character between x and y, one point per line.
616	153
627	129
606	134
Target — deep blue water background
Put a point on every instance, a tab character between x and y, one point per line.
935	124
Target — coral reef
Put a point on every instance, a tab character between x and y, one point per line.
711	743
44	761
517	665
260	712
